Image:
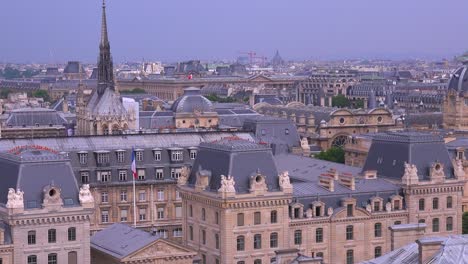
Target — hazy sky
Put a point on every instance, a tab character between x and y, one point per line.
61	30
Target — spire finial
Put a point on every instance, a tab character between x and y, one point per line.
104	38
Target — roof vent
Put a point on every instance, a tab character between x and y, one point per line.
347	180
327	182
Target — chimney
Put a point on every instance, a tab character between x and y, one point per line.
327	182
334	173
347	180
428	247
370	174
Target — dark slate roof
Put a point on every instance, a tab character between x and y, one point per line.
73	67
238	158
32	170
389	152
120	240
459	80
35	116
192	100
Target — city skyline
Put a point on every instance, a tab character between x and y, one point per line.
53	31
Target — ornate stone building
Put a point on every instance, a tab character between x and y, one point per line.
239	208
327	126
455	105
104	113
45	217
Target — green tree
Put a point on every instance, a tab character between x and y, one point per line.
340	101
11	73
215	98
134	91
465	223
4	93
360	103
41	94
334	154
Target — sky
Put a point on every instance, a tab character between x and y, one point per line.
53	31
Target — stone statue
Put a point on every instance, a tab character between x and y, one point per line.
309	213
459	171
388	207
330	211
411	174
184	174
284	181
227	184
85	194
369	208
15	199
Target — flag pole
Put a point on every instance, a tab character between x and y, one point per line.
134	189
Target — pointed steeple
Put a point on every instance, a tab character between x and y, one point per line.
105	64
104	37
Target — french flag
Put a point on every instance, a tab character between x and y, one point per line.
135	175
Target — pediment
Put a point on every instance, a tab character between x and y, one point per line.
358	212
159	249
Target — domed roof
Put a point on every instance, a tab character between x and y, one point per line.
191	101
459	80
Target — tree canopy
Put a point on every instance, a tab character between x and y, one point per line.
134	91
41	94
465	223
340	101
334	154
215	98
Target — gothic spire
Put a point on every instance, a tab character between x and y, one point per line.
105	64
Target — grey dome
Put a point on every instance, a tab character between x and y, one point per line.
459	80
192	100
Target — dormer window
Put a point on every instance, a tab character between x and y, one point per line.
157	155
120	156
139	155
349	210
103	176
376	206
175	173
102	157
177	155
83	156
193	154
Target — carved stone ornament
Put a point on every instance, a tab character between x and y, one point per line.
227	185
459	171
85	194
284	181
309	213
411	174
388	207
184	174
15	199
369	208
330	211
258	184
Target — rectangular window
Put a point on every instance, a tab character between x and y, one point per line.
157	155
122	175
123	195
103	158
52	235
159	174
319	235
203	237
449	202
396	205
139	155
177	155
52	258
142	196
160	195
123	215
120	156
105	216
104	197
160	213
162	233
84	176
298	237
103	176
71	234
349	210
178	211
240	219
177	232
83	158
177	195
31	237
257	218
376	206
142	214
141	174
175	173
193	154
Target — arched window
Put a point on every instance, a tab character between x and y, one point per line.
349	232
241	262
274	240
449	202
72	257
71	234
257	241
422	204
377	229
319	255
191	232
449	223
31	237
274	217
52	258
435	203
258	261
217	241
203	214
240	243
203	232
191	211
350	256
435	225
32	259
377	252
